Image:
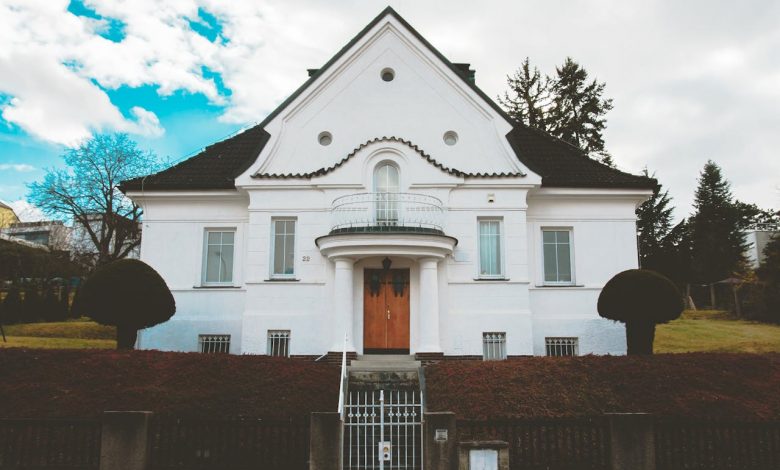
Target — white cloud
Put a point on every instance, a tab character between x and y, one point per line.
20	167
687	86
26	211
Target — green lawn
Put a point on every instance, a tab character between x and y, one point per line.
701	330
713	331
74	334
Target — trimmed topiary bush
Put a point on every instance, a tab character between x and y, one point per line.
641	299
128	294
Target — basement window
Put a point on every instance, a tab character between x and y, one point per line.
214	344
559	347
494	346
278	343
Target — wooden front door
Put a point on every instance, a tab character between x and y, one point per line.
386	311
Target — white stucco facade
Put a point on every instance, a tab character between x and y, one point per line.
372	122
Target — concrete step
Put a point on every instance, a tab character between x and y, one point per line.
384	366
385	357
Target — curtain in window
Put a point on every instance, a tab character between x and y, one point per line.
557	256
219	257
489	248
284	247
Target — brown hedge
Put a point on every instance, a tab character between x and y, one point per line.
740	386
84	383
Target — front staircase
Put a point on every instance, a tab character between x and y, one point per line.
384	403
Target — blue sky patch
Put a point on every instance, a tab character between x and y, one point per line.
113	30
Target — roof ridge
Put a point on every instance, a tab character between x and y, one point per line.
408	143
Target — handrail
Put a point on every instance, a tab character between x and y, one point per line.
343	378
387	209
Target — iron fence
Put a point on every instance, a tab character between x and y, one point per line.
553	444
716	445
236	444
50	444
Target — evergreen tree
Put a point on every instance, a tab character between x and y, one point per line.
654	223
762	295
718	243
12	305
568	105
529	96
32	307
578	109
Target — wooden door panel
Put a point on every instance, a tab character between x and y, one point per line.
383	292
397	298
374	317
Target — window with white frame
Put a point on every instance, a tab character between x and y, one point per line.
490	262
557	256
214	344
218	257
494	346
278	343
562	346
283	248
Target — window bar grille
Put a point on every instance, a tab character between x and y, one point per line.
214	344
560	347
494	346
279	343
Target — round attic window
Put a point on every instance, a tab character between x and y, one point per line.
450	137
325	138
387	74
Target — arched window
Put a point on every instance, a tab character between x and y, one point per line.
386	187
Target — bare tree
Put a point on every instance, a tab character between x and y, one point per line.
86	192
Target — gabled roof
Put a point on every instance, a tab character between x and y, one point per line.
557	162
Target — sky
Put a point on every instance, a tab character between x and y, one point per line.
691	81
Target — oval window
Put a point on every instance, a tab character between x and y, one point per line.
325	138
450	137
388	74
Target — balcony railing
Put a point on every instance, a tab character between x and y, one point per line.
387	212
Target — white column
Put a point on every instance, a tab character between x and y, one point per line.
429	305
343	304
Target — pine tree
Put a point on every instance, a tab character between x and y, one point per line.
654	223
567	105
528	97
718	241
578	109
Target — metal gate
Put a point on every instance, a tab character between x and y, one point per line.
383	430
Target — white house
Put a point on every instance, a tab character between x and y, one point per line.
389	200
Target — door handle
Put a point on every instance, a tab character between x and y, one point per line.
388	313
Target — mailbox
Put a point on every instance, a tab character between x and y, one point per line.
384	451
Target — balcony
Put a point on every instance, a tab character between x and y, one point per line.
387	212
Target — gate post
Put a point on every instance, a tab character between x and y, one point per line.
325	441
632	439
124	440
440	441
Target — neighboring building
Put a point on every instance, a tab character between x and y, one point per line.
7	215
50	233
757	238
389	200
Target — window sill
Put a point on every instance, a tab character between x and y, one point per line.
216	287
282	279
491	279
553	286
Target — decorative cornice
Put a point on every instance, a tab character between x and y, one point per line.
422	153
